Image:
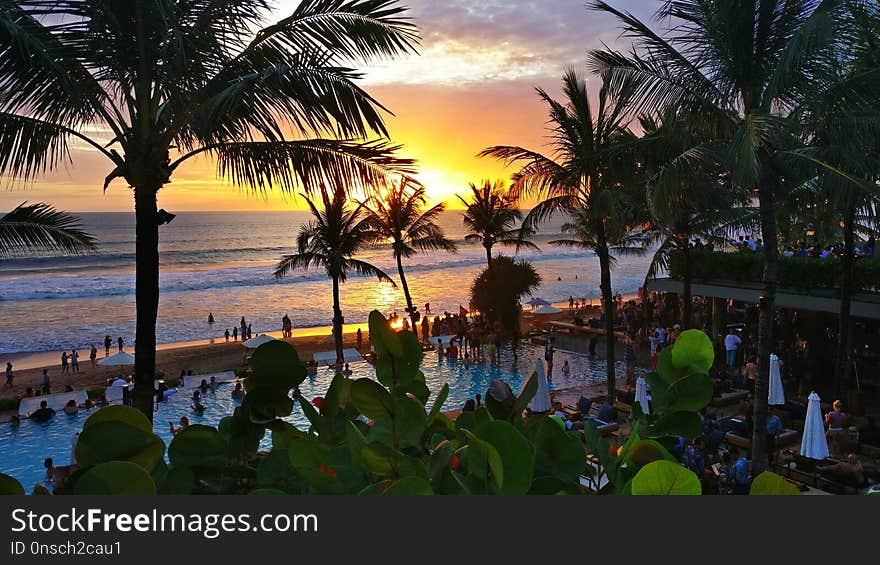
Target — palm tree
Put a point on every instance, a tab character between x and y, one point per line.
492	217
171	81
687	197
590	176
843	128
398	217
748	65
497	290
330	241
39	227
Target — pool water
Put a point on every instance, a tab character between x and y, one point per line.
23	449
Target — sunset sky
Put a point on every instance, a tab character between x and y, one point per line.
471	86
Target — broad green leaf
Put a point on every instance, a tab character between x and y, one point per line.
693	351
662	478
10	486
198	447
768	483
125	414
116	478
372	399
517	455
276	364
115	440
409	486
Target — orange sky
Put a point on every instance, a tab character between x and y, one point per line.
471	86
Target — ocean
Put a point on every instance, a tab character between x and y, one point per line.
222	263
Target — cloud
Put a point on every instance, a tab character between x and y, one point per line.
468	41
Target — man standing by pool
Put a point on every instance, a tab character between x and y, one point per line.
8	383
548	357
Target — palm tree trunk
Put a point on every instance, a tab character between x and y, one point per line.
488	255
841	378
608	309
146	297
687	297
337	321
766	311
409	304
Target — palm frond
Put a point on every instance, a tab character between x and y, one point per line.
41	228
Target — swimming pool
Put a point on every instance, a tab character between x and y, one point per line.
23	449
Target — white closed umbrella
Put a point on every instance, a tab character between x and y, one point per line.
814	444
776	395
642	394
541	401
547	309
256	342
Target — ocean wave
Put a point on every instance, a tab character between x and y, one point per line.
69	287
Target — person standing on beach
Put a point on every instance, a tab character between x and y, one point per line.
360	339
107	343
226	335
64	364
235	333
47	385
120	342
8	383
250	332
93	354
74	361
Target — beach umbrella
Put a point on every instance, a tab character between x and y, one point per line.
547	309
538	302
776	395
541	401
258	341
120	359
813	444
642	394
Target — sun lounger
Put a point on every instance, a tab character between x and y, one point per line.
784	439
190	382
327	358
56	402
728	398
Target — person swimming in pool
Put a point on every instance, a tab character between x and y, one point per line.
184	424
238	392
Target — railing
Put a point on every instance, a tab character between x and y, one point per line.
801	273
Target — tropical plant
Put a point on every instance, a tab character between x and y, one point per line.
398	217
492	218
748	65
843	128
498	289
330	241
174	80
39	227
696	201
591	177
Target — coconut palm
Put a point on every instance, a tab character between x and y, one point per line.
39	227
590	176
170	81
398	216
492	218
686	200
748	64
330	241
